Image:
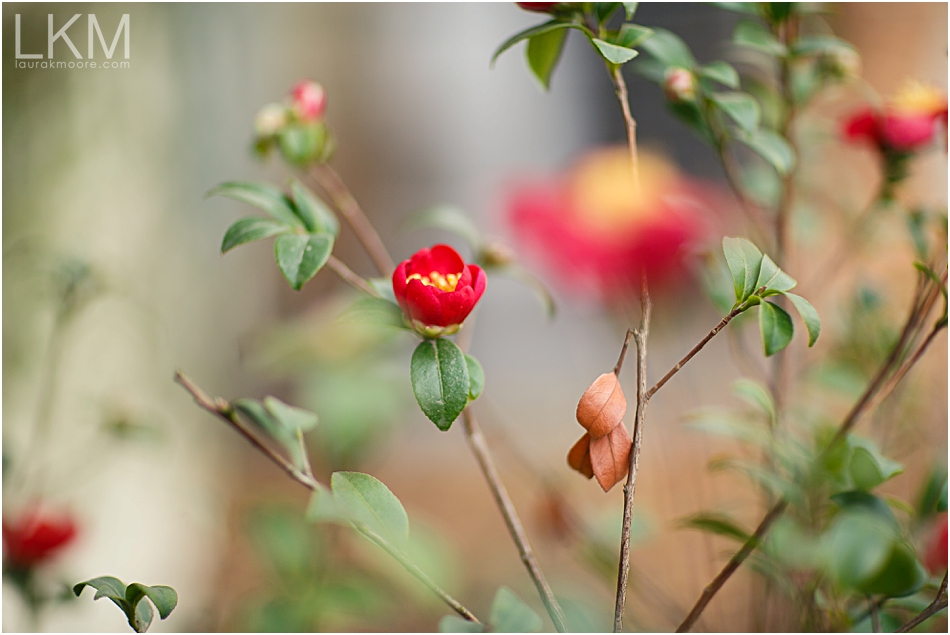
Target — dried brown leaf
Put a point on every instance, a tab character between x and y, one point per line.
602	406
610	456
579	457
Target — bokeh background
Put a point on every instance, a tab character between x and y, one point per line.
108	169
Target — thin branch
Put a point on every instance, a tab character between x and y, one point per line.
623	351
330	181
349	276
640	336
222	409
875	615
476	441
939	604
620	88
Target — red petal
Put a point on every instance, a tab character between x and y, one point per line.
399	284
456	305
423	303
479	281
441	258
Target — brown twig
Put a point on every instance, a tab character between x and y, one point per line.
939	604
640	336
349	276
330	181
620	88
623	351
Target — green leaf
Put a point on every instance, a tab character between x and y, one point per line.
455	624
942	501
476	377
450	218
440	381
632	35
715	523
630	8
748	8
376	312
670	49
857	547
384	287
105	586
930	273
317	217
809	316
740	107
248	230
857	500
324	508
262	195
771	147
143	617
776	327
613	53
773	279
301	256
721	72
540	29
511	615
821	44
868	468
367	501
744	260
274	428
754	35
543	52
164	598
290	417
757	395
902	574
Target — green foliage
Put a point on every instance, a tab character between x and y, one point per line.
772	147
614	53
742	108
668	48
721	72
375	311
543	53
316	216
366	502
509	614
754	35
249	230
776	328
440	381
129	599
476	377
300	257
856	463
715	523
281	422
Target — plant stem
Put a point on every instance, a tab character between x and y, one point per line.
623	351
640	335
222	409
875	615
348	275
939	604
476	441
330	181
620	88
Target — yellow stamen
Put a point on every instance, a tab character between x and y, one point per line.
437	280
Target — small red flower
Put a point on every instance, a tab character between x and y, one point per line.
309	100
908	123
437	290
35	537
538	7
935	554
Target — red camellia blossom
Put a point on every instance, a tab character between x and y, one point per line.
908	124
538	7
437	290
935	554
309	100
35	537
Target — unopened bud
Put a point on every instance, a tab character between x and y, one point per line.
496	254
309	100
270	119
679	85
602	406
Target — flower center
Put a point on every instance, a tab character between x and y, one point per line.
435	279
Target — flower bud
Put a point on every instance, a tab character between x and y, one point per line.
538	7
679	85
602	406
610	457
496	254
270	119
309	100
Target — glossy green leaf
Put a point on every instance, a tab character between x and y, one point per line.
776	328
317	217
450	218
771	147
669	48
630	8
376	312
248	230
809	316
440	381
613	53
773	279
164	598
509	614
902	574
857	547
301	256
261	195
744	261
715	523
367	501
476	377
632	35
543	52
455	624
721	72
290	417
540	29
755	35
742	108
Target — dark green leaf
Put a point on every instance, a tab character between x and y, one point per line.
374	311
290	417
455	624
773	279
262	195
942	501
105	586
540	29
776	327
367	501
670	49
854	500
632	35
857	547
164	598
771	147
744	260
740	107
543	52
301	256
902	574
715	523
250	229
809	316
756	36
630	8
721	72
440	381
509	614
613	53
476	377
934	487
449	218
317	217
603	10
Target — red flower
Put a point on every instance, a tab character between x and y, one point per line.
35	537
906	125
437	290
309	100
935	555
538	7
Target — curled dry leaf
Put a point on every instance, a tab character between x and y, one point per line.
579	457
610	456
602	406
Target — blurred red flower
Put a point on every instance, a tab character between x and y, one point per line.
309	100
908	123
34	537
594	231
538	7
935	554
437	290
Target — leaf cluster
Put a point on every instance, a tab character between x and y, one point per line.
129	599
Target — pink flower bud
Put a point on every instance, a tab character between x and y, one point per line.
679	85
309	100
